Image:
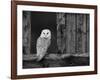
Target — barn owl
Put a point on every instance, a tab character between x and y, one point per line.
43	42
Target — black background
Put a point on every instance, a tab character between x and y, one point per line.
40	21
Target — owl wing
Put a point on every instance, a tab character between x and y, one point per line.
42	46
40	49
41	42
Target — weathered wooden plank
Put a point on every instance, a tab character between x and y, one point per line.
54	56
87	33
68	33
84	34
61	32
79	33
72	32
26	32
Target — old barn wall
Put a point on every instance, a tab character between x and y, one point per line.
73	33
26	32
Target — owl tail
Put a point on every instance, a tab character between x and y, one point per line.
39	58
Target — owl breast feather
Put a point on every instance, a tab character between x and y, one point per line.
42	46
43	43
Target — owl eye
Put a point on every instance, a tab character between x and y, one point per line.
43	33
47	33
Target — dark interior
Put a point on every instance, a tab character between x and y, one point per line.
40	21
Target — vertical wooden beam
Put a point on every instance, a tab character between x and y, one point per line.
87	34
79	33
72	32
68	33
61	29
26	32
84	34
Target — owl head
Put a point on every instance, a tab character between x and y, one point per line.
46	33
